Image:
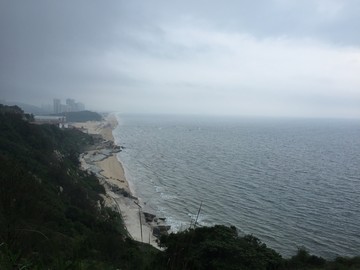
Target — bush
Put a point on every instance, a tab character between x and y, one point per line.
217	247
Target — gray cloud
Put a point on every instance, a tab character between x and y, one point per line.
280	57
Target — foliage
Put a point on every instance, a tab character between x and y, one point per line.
217	247
304	261
49	209
221	247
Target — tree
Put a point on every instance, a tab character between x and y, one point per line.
217	247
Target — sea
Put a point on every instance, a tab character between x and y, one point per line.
293	183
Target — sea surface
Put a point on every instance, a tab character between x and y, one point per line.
290	182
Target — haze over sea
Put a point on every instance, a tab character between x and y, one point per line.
290	182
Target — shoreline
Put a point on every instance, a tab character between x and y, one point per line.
104	163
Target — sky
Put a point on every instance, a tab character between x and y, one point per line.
230	57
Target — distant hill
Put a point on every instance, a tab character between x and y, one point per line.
81	116
27	108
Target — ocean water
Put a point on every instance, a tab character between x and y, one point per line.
289	182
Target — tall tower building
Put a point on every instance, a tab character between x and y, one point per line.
57	105
80	106
70	104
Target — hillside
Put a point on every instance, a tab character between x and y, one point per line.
81	116
28	108
51	213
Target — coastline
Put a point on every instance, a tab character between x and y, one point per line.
103	161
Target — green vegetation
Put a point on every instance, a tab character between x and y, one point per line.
52	216
50	213
221	247
218	247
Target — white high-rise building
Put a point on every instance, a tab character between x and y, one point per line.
70	106
57	105
80	106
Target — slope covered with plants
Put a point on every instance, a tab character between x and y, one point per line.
51	212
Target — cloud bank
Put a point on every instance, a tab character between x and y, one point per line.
277	58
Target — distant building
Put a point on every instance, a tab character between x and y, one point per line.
70	106
63	108
47	108
54	120
80	106
57	106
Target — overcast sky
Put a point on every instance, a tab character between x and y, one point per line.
266	57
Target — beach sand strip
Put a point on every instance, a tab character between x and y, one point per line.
104	163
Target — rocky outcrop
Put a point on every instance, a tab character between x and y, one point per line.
149	217
157	224
121	191
160	230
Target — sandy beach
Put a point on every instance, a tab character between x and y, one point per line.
104	163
